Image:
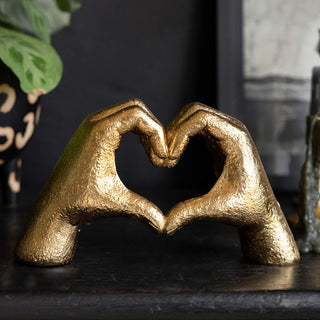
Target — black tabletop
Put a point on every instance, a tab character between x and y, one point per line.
121	270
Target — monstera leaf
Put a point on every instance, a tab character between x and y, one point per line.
34	62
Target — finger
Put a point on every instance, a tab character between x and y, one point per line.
116	200
155	159
135	206
186	112
134	116
217	205
180	215
182	134
185	212
137	120
194	107
231	137
125	117
102	114
176	120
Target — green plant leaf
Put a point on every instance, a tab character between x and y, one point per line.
56	18
34	62
39	21
69	5
15	11
6	22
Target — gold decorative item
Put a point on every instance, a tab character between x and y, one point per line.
85	186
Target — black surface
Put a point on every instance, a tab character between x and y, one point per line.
122	270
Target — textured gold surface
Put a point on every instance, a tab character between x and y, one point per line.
85	186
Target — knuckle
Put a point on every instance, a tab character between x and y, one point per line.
157	129
137	102
196	106
137	112
242	133
201	115
240	124
242	128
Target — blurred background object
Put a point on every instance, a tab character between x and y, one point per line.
309	212
29	67
280	39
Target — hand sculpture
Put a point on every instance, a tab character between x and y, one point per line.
84	186
242	196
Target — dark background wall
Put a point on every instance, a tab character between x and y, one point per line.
160	51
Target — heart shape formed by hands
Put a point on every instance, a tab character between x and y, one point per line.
85	186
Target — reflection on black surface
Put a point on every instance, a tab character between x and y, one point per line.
24	278
65	272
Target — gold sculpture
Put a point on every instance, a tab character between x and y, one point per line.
85	186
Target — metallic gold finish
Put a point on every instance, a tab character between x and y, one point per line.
85	186
242	196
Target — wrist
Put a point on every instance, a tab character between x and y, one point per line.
270	242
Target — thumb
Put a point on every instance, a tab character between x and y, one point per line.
182	214
138	207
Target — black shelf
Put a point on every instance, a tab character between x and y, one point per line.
123	271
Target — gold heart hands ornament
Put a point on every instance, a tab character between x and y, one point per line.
84	185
